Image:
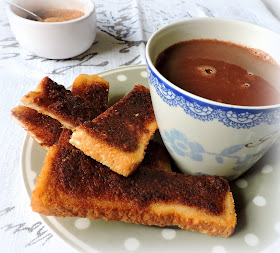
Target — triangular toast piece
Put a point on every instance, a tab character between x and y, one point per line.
118	137
73	184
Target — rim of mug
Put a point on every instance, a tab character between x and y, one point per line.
193	96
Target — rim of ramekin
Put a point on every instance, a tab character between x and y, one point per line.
38	23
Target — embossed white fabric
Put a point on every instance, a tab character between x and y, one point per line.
124	26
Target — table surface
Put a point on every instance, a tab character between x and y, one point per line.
124	26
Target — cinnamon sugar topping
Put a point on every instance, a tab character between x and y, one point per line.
123	123
59	15
79	175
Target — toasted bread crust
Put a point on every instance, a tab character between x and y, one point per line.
93	89
156	157
72	184
44	129
54	100
118	137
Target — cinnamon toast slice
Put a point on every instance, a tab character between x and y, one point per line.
157	157
118	137
54	100
46	130
72	184
42	128
93	89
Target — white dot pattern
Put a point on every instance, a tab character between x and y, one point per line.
267	169
144	74
168	233
241	183
131	244
82	223
259	201
122	78
251	240
277	227
33	175
218	249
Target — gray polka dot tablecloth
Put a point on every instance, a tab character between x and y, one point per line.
118	54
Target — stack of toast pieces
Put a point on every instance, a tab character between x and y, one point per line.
102	163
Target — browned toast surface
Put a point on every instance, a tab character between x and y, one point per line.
93	89
156	157
54	100
44	129
73	184
118	137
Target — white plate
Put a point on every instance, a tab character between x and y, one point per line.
256	196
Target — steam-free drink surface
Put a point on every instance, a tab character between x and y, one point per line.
222	72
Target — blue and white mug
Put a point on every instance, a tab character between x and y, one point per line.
204	136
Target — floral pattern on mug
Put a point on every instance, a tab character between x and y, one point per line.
177	142
230	117
180	145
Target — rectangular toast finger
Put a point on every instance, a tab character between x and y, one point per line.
156	157
46	130
72	184
118	137
93	89
42	128
61	104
